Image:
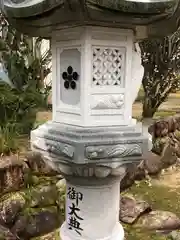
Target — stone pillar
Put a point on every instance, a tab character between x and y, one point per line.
92	209
93	188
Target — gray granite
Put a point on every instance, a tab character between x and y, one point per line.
89	151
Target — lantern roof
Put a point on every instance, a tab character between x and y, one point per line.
41	17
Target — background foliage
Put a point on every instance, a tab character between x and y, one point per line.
161	60
24	93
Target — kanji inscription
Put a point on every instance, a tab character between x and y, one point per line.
74	220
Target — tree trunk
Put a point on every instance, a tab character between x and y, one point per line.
148	109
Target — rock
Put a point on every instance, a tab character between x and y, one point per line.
168	156
140	173
11	174
131	209
6	234
161	128
166	131
152	163
129	178
177	135
159	221
34	180
177	117
172	124
37	165
133	172
175	142
36	224
175	235
50	236
61	184
166	149
177	149
43	196
159	143
10	208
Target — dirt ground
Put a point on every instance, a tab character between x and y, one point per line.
169	178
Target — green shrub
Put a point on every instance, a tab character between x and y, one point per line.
17	114
9	138
26	68
18	106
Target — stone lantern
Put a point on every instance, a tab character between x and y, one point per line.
97	74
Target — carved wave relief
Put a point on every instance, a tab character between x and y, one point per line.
113	151
57	148
107	102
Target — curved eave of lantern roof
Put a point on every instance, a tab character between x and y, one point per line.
41	17
29	8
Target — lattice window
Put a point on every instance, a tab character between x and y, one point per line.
107	66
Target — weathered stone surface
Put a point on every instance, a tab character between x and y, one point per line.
129	178
177	134
172	124
32	224
49	236
152	163
174	235
168	157
133	172
44	196
166	131
131	209
162	127
159	143
37	165
10	208
61	184
6	234
140	171
31	179
159	220
11	174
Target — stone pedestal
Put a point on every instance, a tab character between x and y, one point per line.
92	209
97	73
93	161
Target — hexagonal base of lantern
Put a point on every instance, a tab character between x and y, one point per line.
67	146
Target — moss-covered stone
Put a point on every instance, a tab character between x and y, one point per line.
159	197
43	195
32	179
51	236
34	222
10	207
132	233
